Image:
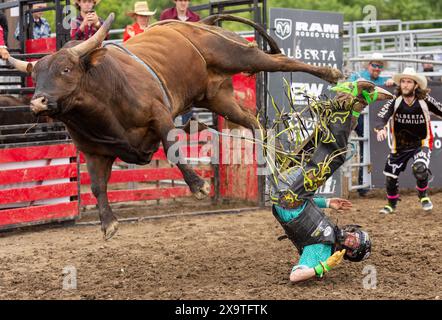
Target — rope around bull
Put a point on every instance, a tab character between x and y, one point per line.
286	160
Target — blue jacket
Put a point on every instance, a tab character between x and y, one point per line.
380	81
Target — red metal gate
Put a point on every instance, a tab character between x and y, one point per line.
147	176
28	194
31	191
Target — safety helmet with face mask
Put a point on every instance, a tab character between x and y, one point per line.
356	242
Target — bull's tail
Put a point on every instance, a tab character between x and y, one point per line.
211	20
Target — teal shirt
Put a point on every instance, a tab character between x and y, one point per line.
364	74
312	254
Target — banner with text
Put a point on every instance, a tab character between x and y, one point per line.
313	37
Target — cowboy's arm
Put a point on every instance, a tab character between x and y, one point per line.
126	35
389	82
302	272
77	29
321	202
434	106
311	256
384	115
98	23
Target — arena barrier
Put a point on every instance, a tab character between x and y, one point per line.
49	183
148	178
38	185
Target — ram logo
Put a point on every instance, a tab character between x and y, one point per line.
283	28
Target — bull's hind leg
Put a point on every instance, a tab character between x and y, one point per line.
164	127
261	61
225	104
99	169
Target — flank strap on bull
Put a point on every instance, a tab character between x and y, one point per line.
151	71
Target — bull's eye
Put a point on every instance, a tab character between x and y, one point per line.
66	70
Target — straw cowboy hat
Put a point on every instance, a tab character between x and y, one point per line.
410	73
141	8
377	57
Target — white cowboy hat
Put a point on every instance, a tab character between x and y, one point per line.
376	56
410	73
141	8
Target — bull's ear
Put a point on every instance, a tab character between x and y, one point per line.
94	58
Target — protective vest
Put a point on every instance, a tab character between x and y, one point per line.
312	226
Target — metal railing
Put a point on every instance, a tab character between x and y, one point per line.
402	44
392	38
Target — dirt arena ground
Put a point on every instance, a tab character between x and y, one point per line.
231	256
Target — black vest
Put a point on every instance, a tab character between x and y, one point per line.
312	226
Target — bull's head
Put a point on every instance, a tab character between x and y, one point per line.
358	95
362	92
57	75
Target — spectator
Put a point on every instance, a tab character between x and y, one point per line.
141	15
4	54
181	12
429	67
4	25
40	27
87	23
371	73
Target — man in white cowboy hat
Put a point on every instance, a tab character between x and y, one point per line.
87	23
372	72
411	135
141	14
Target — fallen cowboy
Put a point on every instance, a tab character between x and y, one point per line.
299	173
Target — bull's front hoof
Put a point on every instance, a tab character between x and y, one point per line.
110	230
203	191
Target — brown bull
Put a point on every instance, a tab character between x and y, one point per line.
114	107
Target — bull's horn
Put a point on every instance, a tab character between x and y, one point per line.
94	41
383	94
22	66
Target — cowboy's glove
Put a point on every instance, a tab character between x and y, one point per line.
324	267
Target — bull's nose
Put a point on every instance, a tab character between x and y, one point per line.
39	104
